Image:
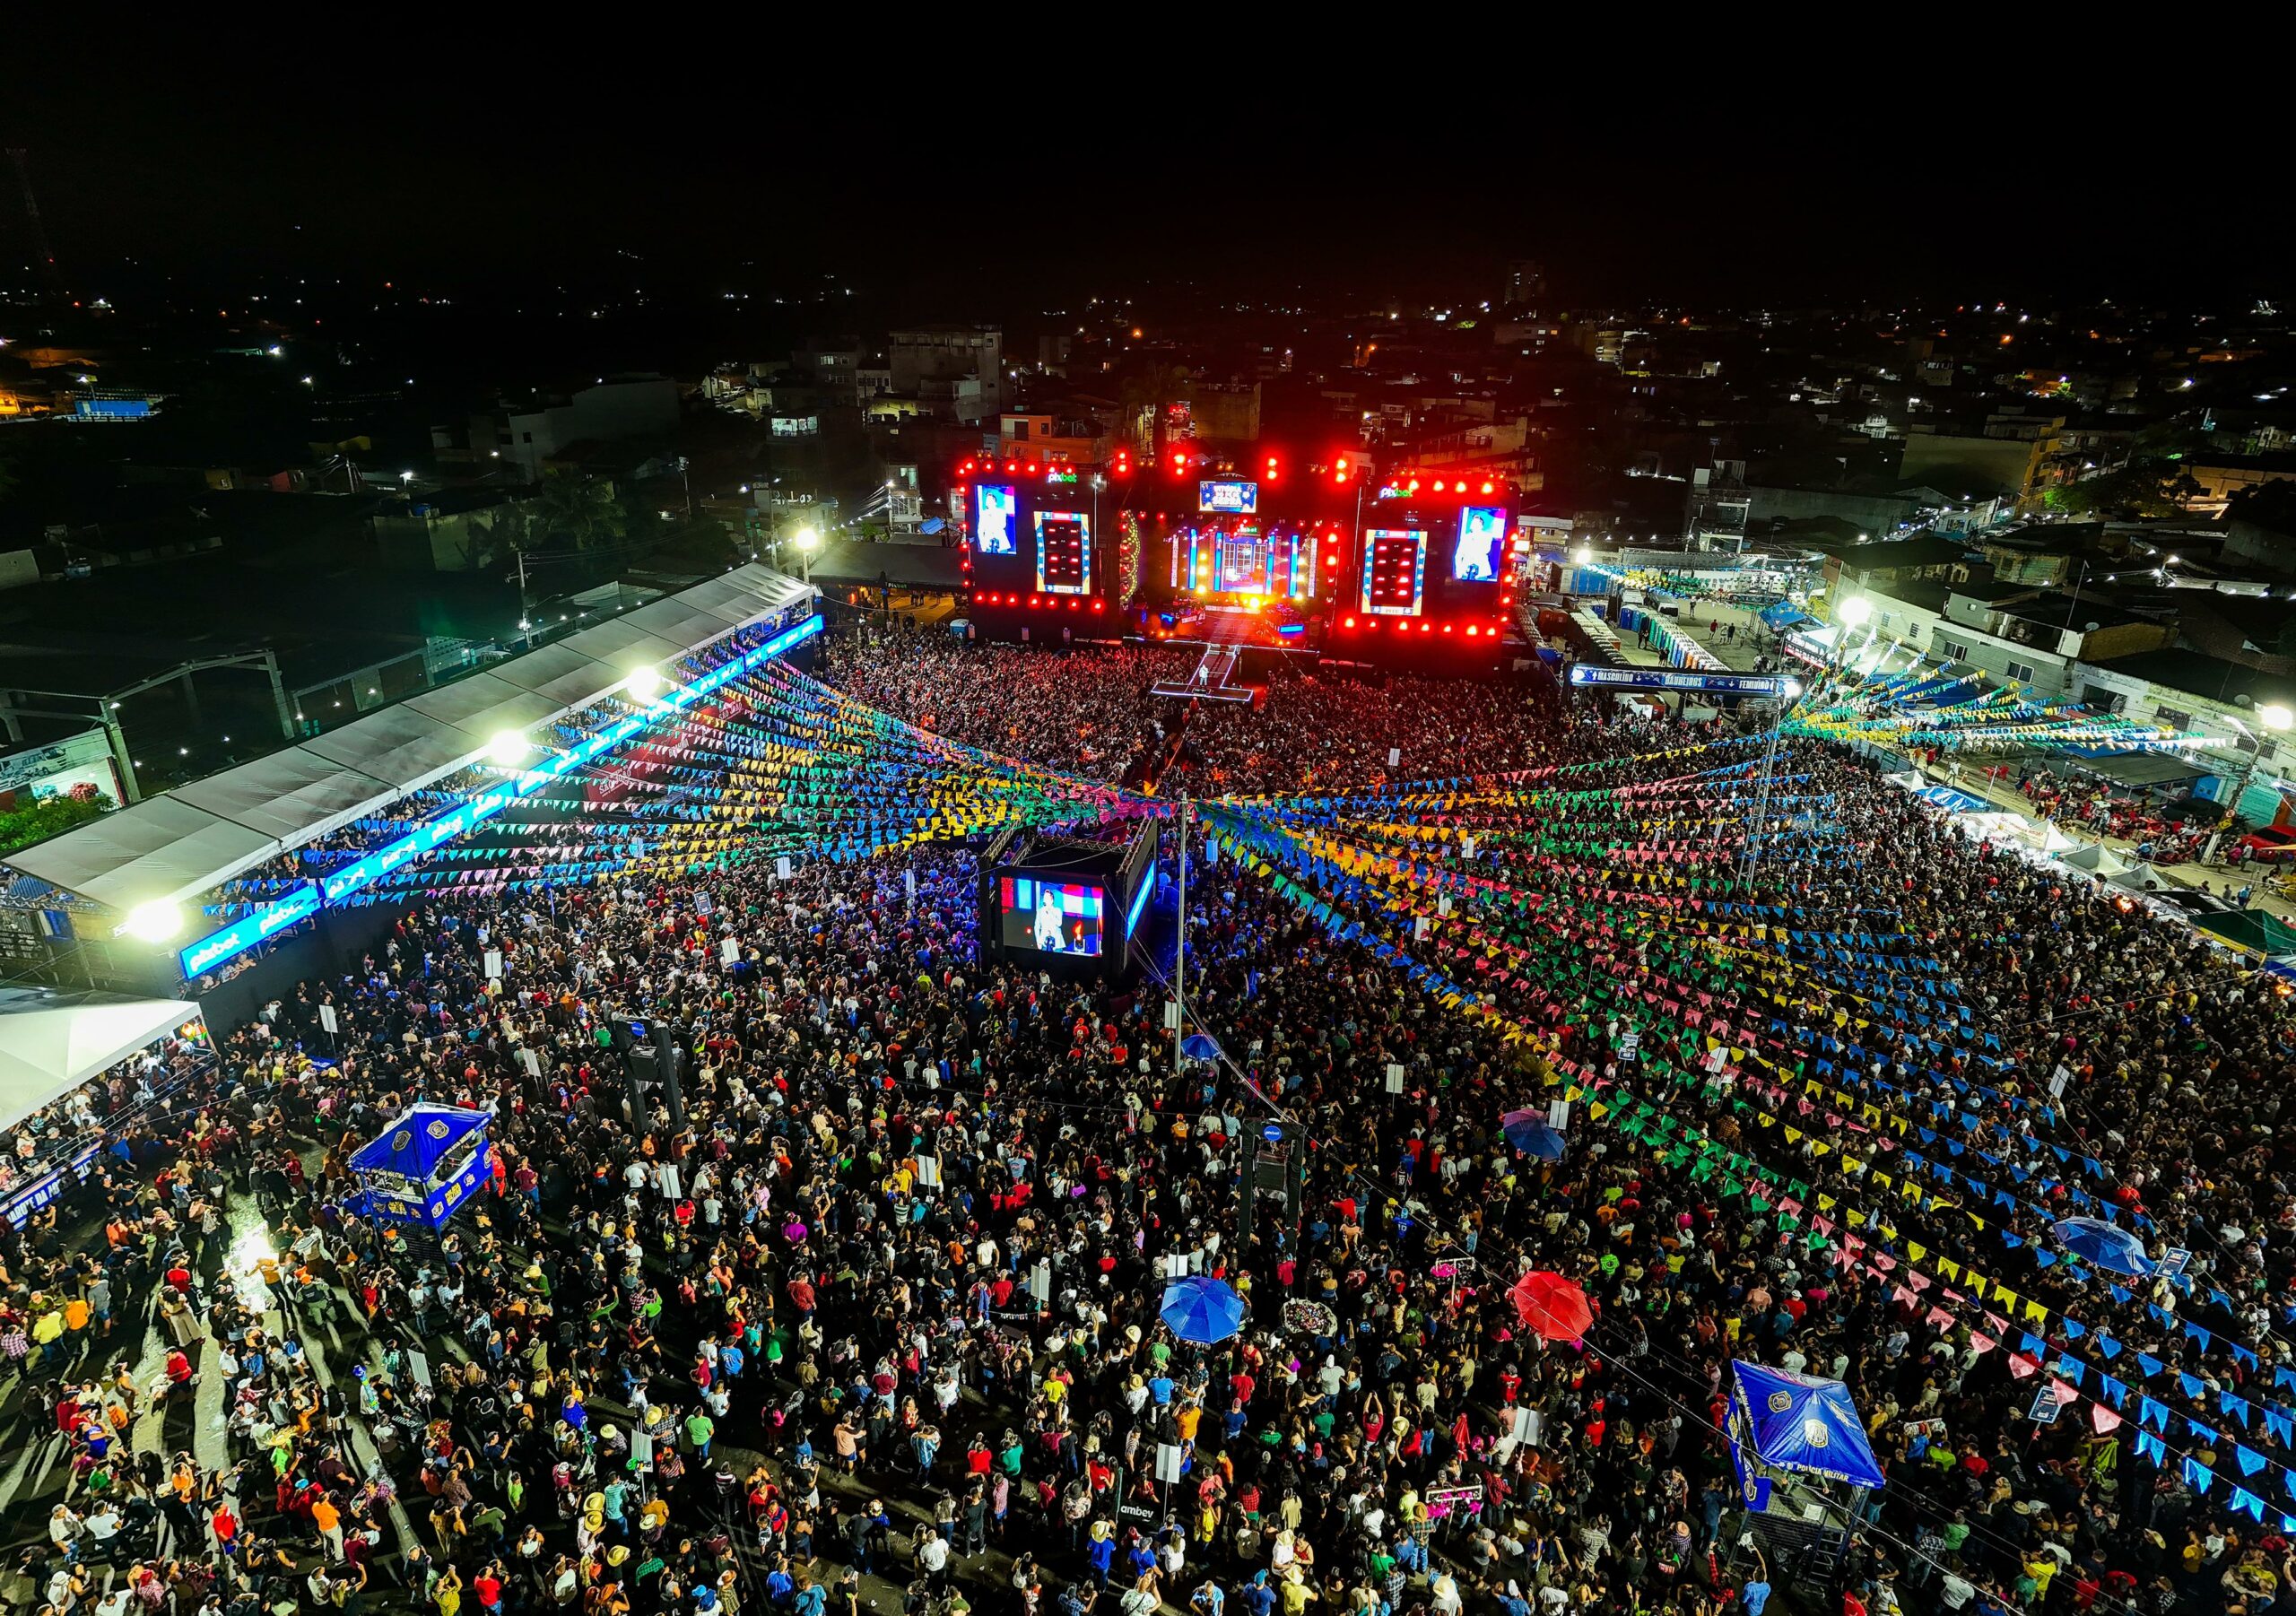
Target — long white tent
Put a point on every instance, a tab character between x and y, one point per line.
188	841
51	1044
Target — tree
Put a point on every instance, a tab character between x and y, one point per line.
1148	392
582	512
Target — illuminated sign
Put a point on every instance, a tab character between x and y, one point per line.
242	935
1063	552
1139	903
995	505
1666	679
244	932
1228	499
1395	571
1483	534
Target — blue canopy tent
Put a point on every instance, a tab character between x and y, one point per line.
424	1165
1800	1422
1803	1464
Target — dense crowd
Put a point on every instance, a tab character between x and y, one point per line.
875	1319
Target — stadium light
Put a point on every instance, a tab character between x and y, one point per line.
1854	611
508	749
2276	717
154	922
643	684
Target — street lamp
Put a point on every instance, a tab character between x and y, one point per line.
153	922
2270	717
809	540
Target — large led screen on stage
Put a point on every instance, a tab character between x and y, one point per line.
1482	544
1051	916
1395	571
1243	561
1228	499
1063	552
995	505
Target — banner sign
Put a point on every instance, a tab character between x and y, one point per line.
1674	679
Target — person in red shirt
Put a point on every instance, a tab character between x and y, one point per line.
488	1586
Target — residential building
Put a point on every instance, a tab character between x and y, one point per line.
948	354
1226	413
2188	692
614	411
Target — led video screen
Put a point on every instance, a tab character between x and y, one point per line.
1228	499
1243	561
1395	571
995	505
1482	546
1053	917
1063	552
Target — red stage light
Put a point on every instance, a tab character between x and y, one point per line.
1438	485
1032	468
1351	622
1427	628
1486	488
1472	630
1098	605
1446	628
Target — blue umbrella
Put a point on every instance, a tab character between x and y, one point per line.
1200	1047
2106	1244
1529	1132
1201	1310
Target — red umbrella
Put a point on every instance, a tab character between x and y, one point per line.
1552	1305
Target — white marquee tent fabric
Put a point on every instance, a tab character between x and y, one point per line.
49	1045
2141	878
2098	859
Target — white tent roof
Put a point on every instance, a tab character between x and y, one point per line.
2096	858
51	1046
2142	878
160	848
187	841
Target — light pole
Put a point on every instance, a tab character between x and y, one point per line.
2270	717
2074	604
1180	952
808	540
1848	615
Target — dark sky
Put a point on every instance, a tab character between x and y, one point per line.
980	185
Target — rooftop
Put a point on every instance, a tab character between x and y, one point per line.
2210	678
1923	549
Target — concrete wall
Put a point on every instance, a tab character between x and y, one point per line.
2000	465
1877	514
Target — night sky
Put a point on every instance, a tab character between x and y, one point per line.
978	190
